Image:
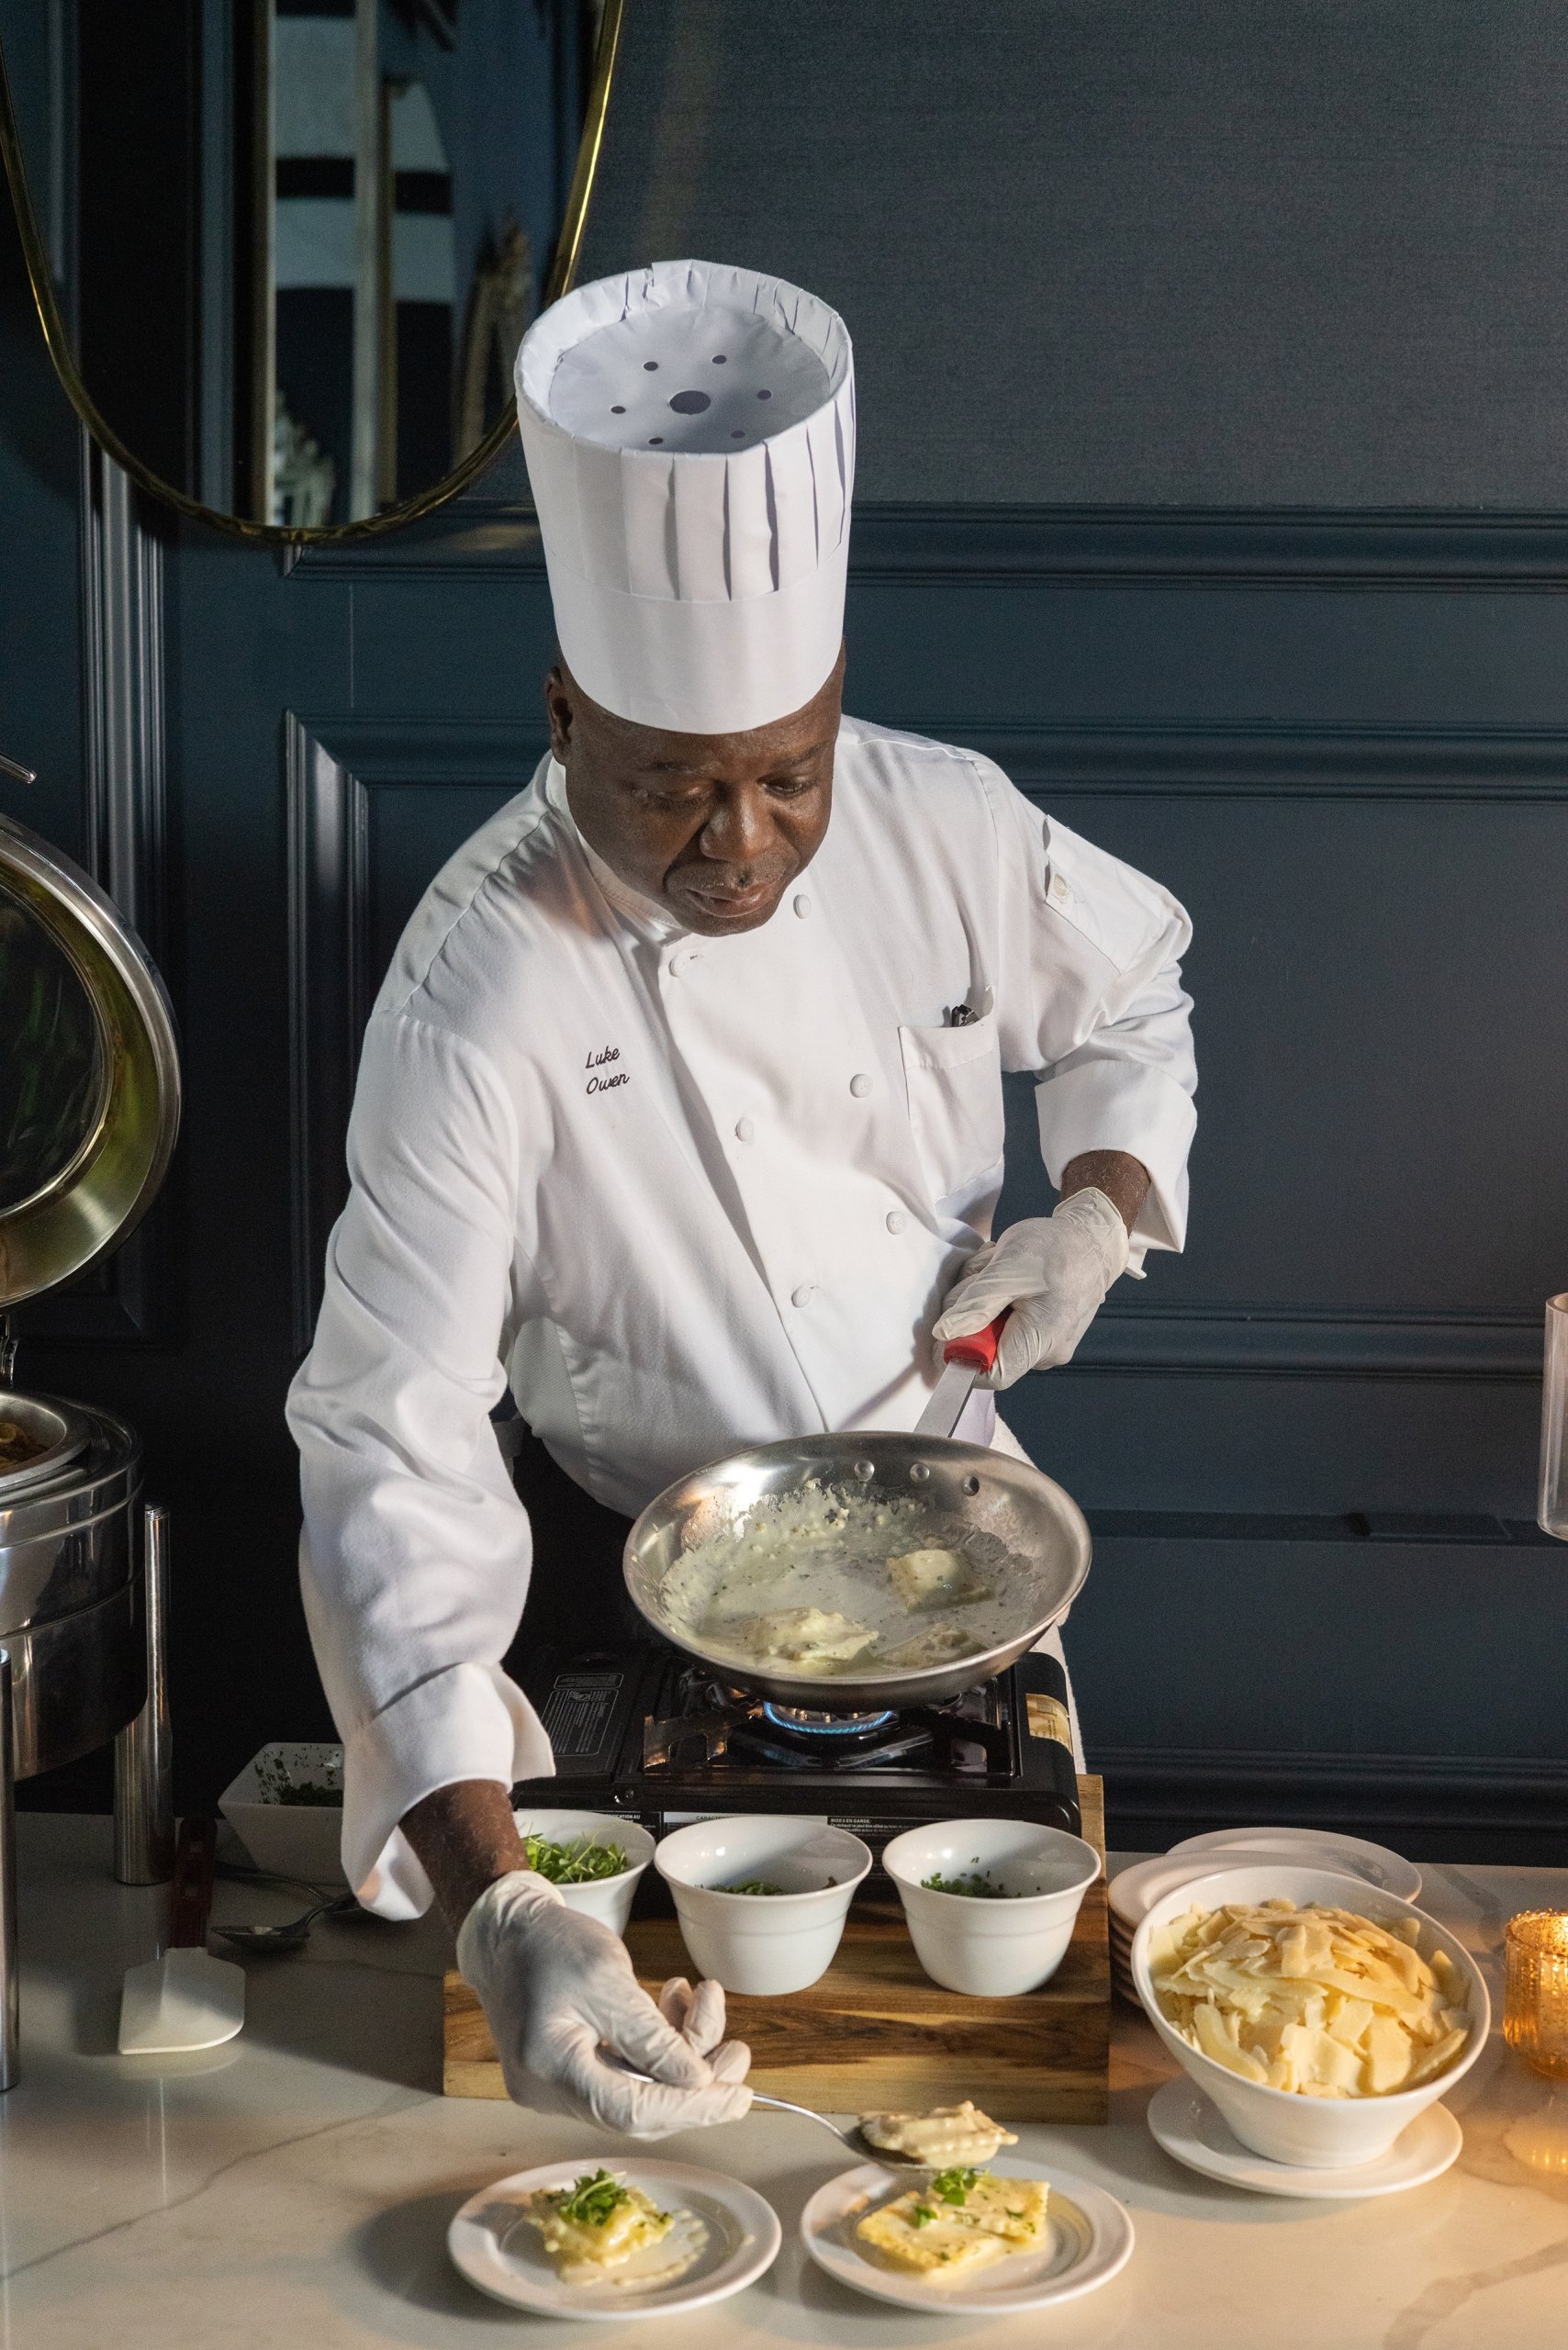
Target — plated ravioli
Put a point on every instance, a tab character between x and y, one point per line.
958	2222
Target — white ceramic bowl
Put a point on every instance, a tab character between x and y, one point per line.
764	1944
993	1949
609	1898
1319	2132
301	1840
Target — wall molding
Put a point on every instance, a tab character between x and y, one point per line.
1448	1801
1275	1341
1215	759
125	1299
332	768
1284	547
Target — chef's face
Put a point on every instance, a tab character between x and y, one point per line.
714	826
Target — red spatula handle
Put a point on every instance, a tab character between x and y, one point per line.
190	1895
979	1351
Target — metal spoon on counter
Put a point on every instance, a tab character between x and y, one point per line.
291	1936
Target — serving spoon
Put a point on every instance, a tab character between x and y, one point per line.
854	2138
291	1936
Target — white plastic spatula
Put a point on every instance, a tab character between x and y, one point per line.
184	2000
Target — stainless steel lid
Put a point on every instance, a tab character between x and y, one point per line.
89	1070
39	1437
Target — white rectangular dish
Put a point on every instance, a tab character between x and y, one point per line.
294	1840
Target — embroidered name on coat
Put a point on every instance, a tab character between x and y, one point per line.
605	1077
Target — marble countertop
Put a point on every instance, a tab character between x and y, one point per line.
295	2187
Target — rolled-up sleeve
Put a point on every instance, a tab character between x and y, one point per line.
1091	1000
415	1554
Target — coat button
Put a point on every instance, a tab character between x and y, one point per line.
860	1085
802	905
895	1219
804	1294
684	961
744	1130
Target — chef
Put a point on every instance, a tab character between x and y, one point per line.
680	1117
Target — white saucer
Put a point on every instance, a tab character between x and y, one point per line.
497	2250
1194	2131
1090	2237
1390	1872
1134	1892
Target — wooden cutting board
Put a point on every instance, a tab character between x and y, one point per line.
876	2034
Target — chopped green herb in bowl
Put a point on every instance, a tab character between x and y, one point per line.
974	1884
276	1784
752	1884
582	1862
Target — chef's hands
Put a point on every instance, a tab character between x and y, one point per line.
1052	1271
563	2003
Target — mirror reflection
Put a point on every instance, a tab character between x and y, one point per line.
297	241
53	1070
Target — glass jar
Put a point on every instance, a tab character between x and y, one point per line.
1535	2004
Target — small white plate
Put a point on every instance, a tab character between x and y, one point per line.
500	2250
1193	2131
1134	1892
1391	1871
1091	2238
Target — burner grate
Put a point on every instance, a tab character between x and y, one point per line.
701	1721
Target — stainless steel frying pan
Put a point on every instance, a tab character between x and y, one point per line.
1007	1498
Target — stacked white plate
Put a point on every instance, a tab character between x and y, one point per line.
1136	1890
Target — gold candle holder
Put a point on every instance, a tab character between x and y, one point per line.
1535	2005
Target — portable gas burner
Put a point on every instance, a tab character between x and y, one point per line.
643	1729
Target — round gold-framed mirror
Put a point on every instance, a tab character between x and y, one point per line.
283	252
90	1081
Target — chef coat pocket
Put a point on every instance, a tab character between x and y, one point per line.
954	1077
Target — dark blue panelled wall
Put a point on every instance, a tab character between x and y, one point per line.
1306	1449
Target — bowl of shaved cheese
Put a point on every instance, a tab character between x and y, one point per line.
1320	2015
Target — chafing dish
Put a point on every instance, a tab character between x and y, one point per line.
89	1109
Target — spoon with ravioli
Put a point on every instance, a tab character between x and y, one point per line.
945	2136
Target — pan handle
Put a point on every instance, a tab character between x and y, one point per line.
190	1896
978	1352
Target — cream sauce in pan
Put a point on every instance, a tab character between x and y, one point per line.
803	1583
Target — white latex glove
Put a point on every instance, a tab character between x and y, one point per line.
562	2003
698	2016
1053	1271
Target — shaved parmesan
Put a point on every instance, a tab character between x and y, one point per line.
1318	2000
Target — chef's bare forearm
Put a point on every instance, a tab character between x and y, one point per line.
1122	1178
464	1838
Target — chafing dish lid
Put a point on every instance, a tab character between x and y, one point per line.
89	1070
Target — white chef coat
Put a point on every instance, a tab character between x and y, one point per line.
684	1194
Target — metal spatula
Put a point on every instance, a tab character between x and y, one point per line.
965	1359
184	2000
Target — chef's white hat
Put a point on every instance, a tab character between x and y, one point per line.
689	432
